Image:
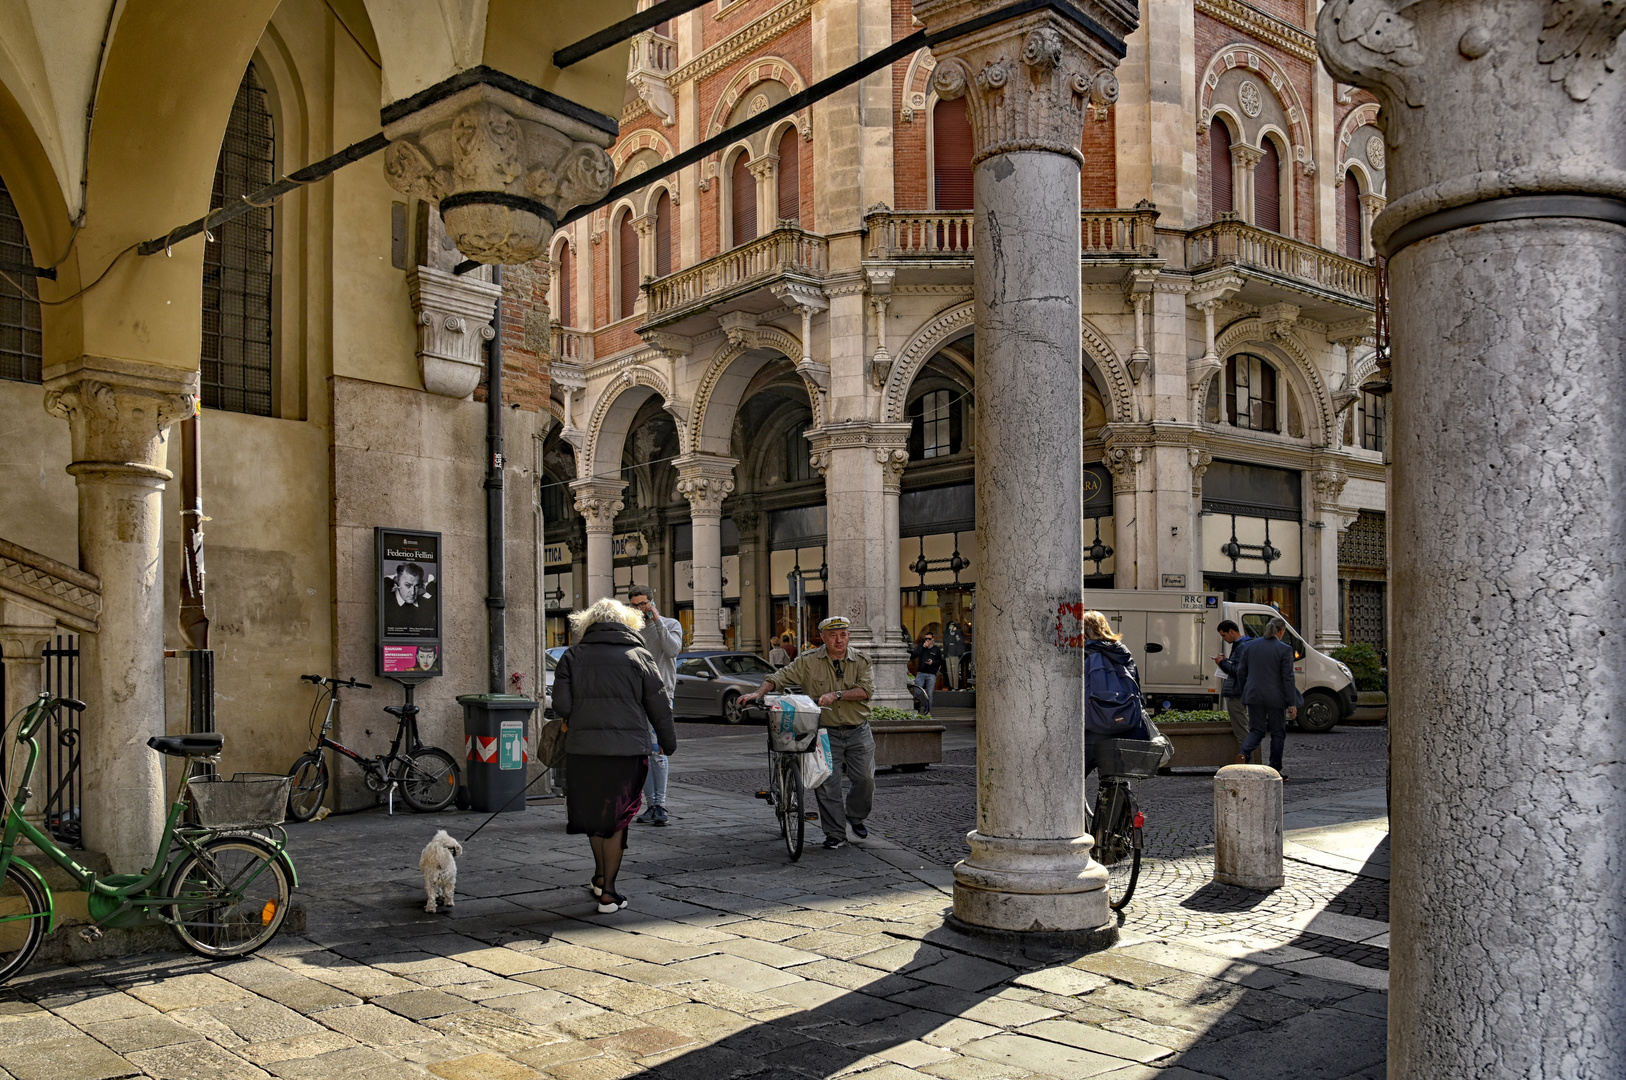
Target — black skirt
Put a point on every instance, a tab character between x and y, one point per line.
603	793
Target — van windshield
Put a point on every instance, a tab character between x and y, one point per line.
1254	623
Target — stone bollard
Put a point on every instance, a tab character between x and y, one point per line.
1248	827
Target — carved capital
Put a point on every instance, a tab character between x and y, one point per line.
119	413
1328	483
893	461
501	168
1200	460
1124	464
705	481
454	316
598	502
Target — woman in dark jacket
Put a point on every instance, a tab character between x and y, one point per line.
1100	640
609	692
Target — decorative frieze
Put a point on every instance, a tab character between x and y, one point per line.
1256	24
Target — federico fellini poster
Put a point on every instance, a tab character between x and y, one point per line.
409	612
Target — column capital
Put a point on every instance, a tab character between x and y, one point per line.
119	413
501	167
454	316
705	481
1199	460
1028	80
598	501
1245	155
1124	464
1328	478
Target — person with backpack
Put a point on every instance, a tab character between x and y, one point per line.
1113	708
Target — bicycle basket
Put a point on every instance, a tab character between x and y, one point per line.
1128	757
246	801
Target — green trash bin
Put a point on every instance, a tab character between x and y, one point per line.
496	739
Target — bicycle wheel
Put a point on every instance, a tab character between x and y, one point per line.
310	786
1117	842
23	914
231	896
792	822
428	779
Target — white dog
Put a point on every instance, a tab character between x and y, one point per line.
439	865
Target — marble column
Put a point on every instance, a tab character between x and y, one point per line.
1319	623
1506	247
748	524
1124	464
1027	82
119	413
893	460
598	502
706	480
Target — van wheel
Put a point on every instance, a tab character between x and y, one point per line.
1320	712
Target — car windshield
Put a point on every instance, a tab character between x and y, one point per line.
549	662
742	664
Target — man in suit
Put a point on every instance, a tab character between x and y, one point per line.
1231	692
1270	692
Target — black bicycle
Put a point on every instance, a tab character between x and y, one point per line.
426	776
1117	821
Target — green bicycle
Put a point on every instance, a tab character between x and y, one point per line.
226	881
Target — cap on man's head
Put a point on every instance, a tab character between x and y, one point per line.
835	622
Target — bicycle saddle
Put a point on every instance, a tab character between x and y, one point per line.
401	711
204	745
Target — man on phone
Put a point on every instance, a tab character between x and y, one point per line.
1231	691
1270	691
663	638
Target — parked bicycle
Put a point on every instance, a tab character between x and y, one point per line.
426	776
1117	821
222	884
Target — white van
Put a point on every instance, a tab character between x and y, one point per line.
1174	638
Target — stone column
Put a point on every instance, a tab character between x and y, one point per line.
893	461
1027	82
1320	620
706	481
748	524
1124	464
1244	159
119	413
1506	247
598	501
765	170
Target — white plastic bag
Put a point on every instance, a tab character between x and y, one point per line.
792	721
817	764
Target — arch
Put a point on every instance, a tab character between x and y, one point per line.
1252	335
562	298
1118	393
946	326
612	418
721	391
917	85
634	141
1242	54
1353	121
739	197
764	68
622	230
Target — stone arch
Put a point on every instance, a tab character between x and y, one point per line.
1365	367
1353	121
1118	393
612	418
761	69
720	394
917	85
642	139
1242	54
1296	365
1231	120
946	326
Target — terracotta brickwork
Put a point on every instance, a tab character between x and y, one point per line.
524	338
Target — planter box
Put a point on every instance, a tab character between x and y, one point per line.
1371	705
1201	746
907	744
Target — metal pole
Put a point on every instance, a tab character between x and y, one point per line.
496	571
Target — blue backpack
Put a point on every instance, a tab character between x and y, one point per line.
1112	701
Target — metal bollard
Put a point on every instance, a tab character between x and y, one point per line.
1248	827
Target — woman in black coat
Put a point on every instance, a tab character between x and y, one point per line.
609	691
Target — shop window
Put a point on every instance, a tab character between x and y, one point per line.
1267	189
21	346
951	156
743	189
1250	393
1219	183
235	360
935	425
790	175
566	315
627	265
1352	215
1372	421
798	457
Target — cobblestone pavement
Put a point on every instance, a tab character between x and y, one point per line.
731	962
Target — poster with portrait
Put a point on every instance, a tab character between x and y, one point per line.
409	603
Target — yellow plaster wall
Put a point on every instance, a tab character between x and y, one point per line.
39	504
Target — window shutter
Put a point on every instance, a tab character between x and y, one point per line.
1219	147
1352	216
1267	190
790	175
567	313
663	234
629	266
745	202
951	155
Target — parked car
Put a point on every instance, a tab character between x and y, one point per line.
550	660
711	683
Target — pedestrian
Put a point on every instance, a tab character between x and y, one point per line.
663	638
1231	690
609	692
777	656
840	680
1270	692
954	650
928	658
1112	663
788	640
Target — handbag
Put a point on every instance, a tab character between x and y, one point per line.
550	742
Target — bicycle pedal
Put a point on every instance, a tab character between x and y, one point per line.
90	934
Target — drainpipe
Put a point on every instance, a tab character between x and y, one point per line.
496	571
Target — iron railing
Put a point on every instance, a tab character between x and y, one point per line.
60	745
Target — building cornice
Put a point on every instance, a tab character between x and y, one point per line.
1268	29
745	40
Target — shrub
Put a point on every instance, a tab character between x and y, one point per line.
886	712
1192	716
1365	664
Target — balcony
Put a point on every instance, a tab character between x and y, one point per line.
572	346
1107	238
1276	269
786	255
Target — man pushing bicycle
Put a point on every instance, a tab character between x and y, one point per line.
840	680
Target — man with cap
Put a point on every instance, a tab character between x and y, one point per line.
842	683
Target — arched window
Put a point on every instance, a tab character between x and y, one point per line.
235	357
1352	216
1219	184
790	175
663	234
798	456
1250	393
936	420
1267	189
566	315
21	345
743	187
1373	410
627	265
951	156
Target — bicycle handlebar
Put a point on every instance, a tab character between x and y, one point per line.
320	679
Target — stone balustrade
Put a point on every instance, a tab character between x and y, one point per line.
1103	234
572	346
785	251
1233	243
653	53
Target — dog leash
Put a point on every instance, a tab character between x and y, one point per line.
507	804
